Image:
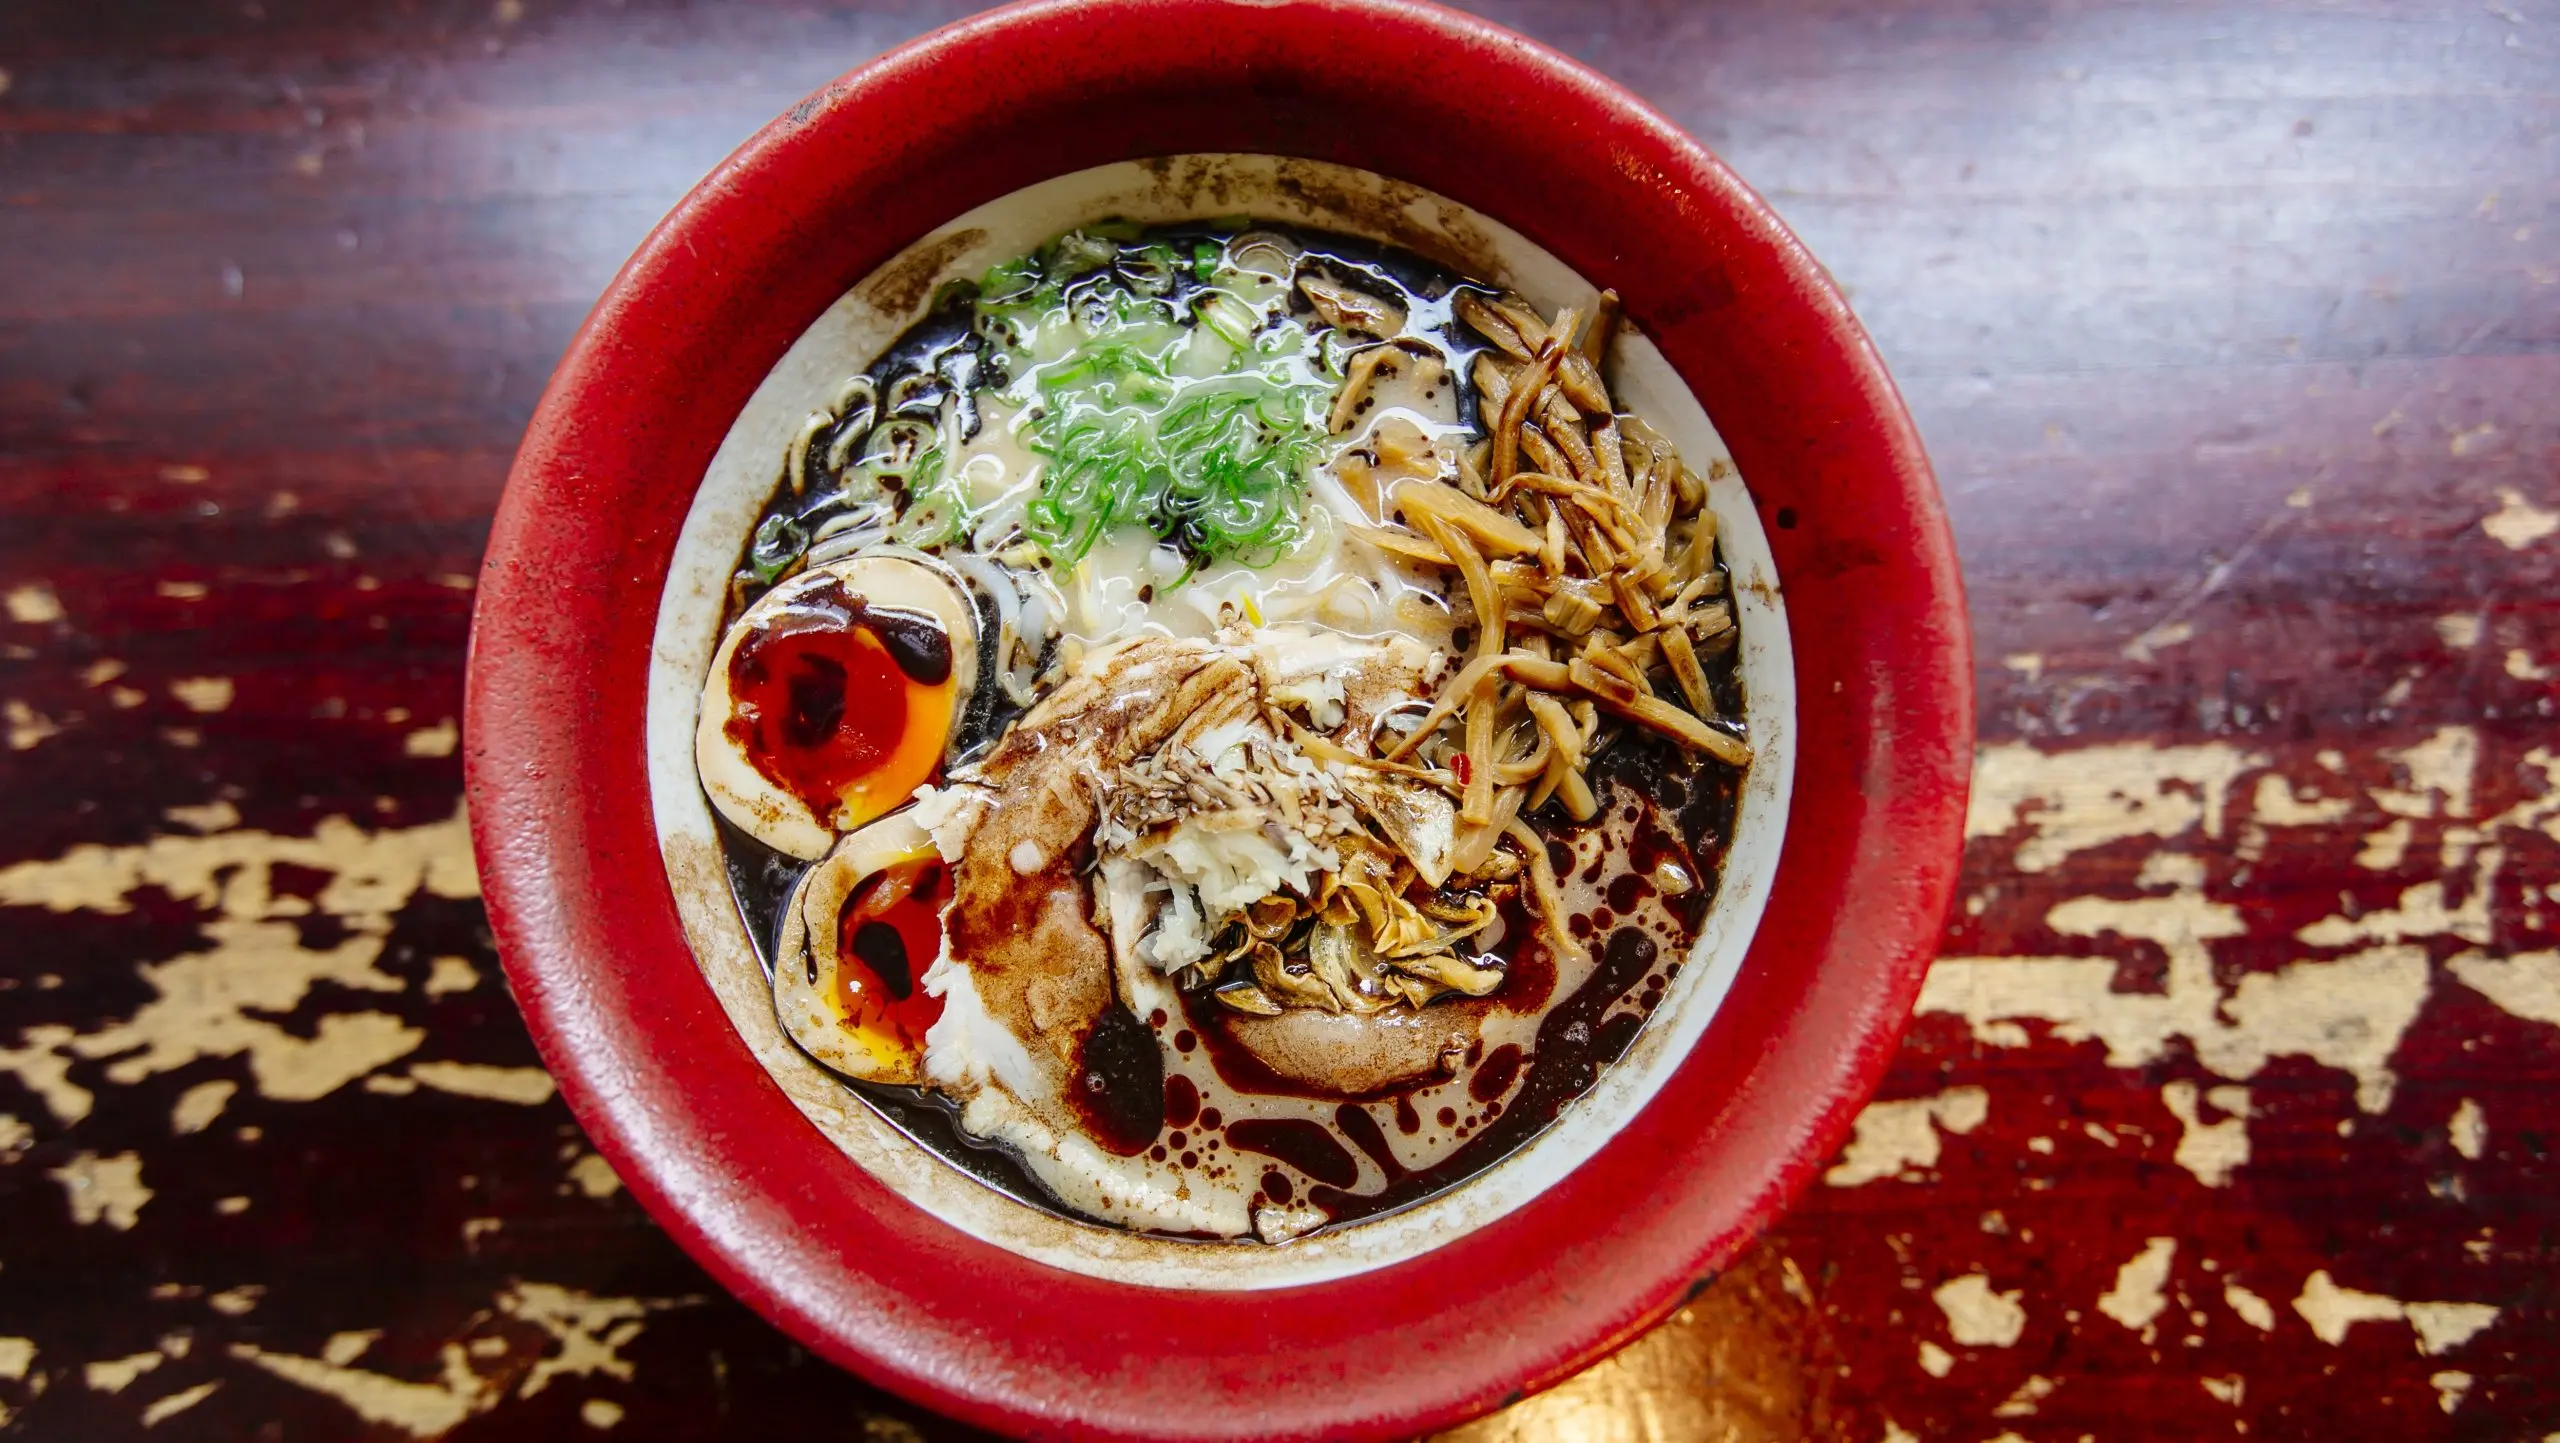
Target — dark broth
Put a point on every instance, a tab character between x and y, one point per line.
1685	806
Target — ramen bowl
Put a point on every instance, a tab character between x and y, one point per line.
642	478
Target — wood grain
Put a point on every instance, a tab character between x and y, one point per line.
2234	331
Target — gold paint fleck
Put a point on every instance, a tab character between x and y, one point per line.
1894	1139
237	1302
451	974
434	741
199	1105
2226	1390
231	1207
114	1375
1935	1361
595	1177
104	1189
2526	985
126	698
458	581
164	1409
220	1002
185	474
599	1412
183	590
2460	631
389	1085
2468	1130
16	1356
2140	1294
1977	1316
2210	1150
2451	1387
2443	1327
2517	523
27	727
214	816
2023	1402
33	604
474	1229
344	1348
2331	1310
2158	639
98	673
524	1086
182	736
421	1410
204	694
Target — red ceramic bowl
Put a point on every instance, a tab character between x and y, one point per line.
561	810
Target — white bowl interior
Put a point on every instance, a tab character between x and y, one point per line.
846	339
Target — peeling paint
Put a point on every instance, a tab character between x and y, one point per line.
2468	1130
2275	804
2461	632
2440	771
164	1409
222	1001
2443	1327
204	694
1977	1316
2518	523
2526	985
524	1086
27	728
434	741
449	975
33	604
2091	796
593	1176
421	1410
114	1375
2349	1013
2140	1294
2028	1396
200	1105
2385	849
2331	1310
585	1335
2210	1150
104	1189
1894	1138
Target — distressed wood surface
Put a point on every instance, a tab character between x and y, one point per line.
2234	330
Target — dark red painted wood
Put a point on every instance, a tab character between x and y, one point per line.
2142	271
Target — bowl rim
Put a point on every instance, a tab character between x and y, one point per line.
556	692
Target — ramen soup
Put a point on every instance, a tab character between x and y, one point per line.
1225	730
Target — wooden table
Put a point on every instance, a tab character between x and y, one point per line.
2234	329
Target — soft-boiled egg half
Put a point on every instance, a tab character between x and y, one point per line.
860	930
834	697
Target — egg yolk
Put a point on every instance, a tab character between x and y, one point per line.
843	705
889	932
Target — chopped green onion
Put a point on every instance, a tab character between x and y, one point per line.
1132	435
